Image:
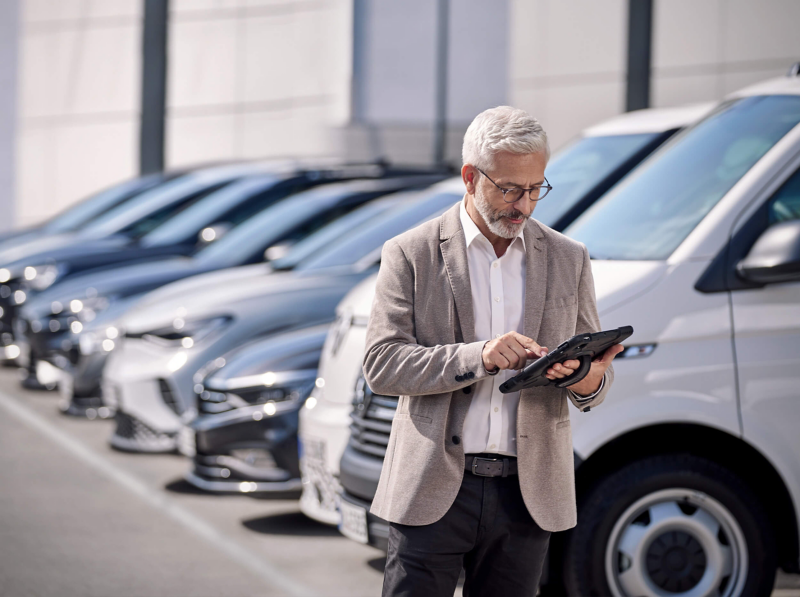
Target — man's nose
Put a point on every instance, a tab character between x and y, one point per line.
524	204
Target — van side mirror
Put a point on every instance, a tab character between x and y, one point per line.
212	233
775	256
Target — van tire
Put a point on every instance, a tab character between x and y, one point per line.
602	509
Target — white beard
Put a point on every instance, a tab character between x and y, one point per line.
495	219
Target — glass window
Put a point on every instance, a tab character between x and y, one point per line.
352	247
95	206
323	239
655	209
785	204
577	169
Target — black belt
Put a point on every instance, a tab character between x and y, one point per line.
490	465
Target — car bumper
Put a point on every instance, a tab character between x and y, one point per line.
244	450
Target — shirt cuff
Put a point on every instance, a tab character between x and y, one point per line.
580	398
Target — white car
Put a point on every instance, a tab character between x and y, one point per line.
688	475
585	169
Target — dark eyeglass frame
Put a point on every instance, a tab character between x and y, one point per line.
547	187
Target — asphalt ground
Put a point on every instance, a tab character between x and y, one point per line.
78	518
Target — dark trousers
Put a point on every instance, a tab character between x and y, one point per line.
488	531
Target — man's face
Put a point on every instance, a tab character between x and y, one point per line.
508	170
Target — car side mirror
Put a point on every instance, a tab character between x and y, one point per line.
775	256
277	251
212	233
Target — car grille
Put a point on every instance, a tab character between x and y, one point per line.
169	397
371	420
129	427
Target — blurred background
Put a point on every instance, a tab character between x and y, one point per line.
193	199
353	79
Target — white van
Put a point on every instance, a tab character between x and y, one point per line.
688	475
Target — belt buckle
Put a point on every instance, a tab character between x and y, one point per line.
475	465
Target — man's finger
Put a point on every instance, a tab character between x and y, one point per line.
528	343
519	350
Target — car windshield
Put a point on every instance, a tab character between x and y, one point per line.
576	170
326	237
232	204
351	248
93	207
655	209
291	219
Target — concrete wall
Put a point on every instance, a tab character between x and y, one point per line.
9	28
704	50
568	62
568	59
77	129
394	95
256	78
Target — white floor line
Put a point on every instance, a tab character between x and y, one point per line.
156	498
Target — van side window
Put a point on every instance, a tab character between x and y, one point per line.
785	203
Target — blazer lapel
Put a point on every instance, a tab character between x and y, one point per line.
454	253
535	278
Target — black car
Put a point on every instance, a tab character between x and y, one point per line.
244	438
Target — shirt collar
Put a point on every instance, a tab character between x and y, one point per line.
471	230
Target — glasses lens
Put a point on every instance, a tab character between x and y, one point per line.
513	195
543	192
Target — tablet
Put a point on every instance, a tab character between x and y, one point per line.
583	347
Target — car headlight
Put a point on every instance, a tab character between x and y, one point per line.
42	277
84	309
186	333
273	390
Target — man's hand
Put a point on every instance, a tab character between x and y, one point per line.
590	383
510	351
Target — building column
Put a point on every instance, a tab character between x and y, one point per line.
154	86
640	43
9	59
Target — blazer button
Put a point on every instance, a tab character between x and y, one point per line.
459	378
468	390
471	374
456	440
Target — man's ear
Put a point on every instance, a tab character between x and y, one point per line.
469	176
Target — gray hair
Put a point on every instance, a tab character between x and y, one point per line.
502	129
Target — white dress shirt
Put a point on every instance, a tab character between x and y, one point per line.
498	299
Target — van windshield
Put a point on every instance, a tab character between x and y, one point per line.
576	170
650	214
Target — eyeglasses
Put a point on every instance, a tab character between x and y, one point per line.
514	194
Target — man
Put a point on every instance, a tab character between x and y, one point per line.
473	477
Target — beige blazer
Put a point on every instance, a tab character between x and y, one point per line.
421	346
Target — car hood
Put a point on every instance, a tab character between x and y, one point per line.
59	248
291	351
119	282
249	297
619	282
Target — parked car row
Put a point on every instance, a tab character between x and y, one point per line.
221	311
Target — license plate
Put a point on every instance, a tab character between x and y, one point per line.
354	522
186	441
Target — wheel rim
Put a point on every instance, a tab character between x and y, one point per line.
676	543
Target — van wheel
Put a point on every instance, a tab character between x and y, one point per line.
673	525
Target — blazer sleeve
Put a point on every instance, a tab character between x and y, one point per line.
394	363
589	321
